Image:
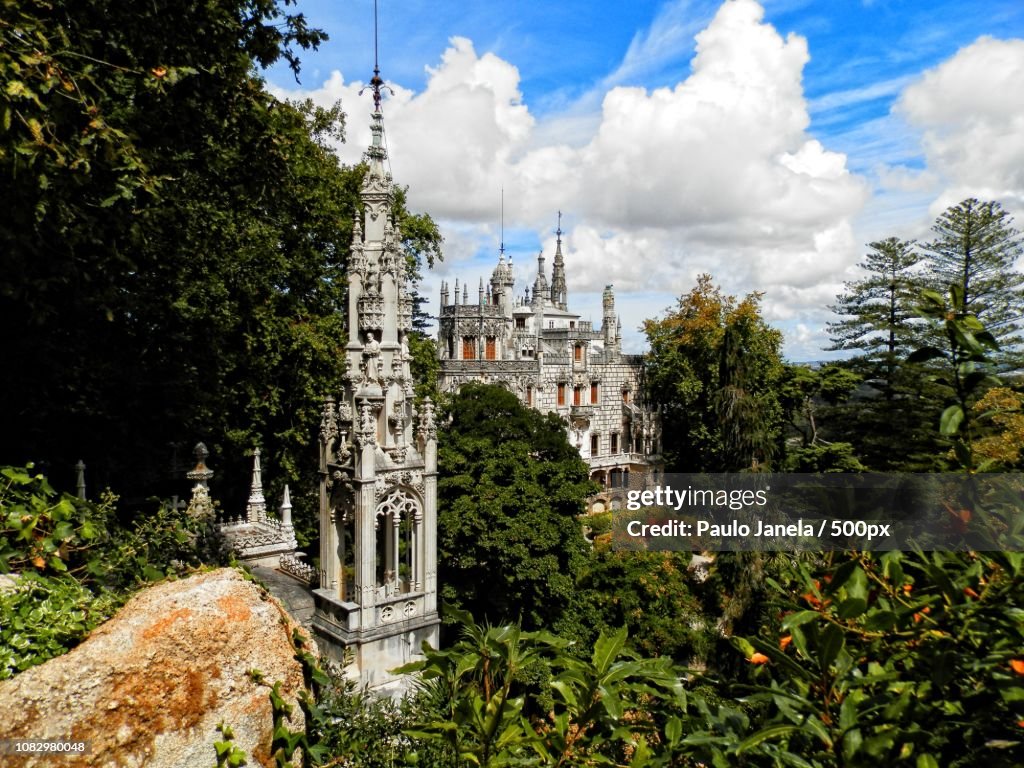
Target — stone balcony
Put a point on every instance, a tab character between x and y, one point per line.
583	412
622	459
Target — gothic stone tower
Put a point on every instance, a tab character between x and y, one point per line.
377	600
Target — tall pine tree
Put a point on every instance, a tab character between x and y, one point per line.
879	324
977	248
878	313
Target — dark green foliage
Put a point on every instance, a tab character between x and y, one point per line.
823	457
172	297
964	367
976	249
510	489
367	731
804	390
808	396
600	700
894	659
425	366
649	593
44	616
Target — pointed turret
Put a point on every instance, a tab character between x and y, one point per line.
540	285
559	292
256	509
502	284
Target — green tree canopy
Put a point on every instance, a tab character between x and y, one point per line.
650	594
510	489
715	366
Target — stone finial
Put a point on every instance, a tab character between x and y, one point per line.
286	508
256	509
200	473
200	505
80	479
328	424
428	426
366	429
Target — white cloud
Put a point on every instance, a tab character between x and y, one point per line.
716	174
970	112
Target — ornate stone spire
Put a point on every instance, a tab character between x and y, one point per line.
540	285
256	509
559	292
378	489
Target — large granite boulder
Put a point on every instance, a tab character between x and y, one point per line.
149	687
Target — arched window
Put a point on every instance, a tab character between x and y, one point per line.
399	560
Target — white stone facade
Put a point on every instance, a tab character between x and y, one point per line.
555	362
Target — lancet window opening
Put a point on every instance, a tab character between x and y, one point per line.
399	538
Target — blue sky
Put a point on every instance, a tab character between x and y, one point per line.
764	143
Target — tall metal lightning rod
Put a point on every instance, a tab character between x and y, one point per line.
376	82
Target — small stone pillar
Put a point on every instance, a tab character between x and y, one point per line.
286	509
80	479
